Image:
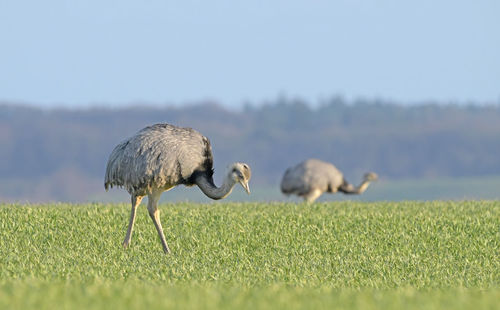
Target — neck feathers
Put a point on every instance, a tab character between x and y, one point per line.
363	186
208	187
347	188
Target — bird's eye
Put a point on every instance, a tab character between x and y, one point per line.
234	169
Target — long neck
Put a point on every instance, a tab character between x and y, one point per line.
350	189
212	191
362	187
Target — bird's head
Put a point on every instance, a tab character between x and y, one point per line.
371	176
241	173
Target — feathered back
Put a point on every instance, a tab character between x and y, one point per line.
160	155
309	175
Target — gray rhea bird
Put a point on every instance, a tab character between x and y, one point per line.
313	177
161	156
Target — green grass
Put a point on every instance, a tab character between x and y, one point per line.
344	255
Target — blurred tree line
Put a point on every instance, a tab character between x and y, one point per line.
61	154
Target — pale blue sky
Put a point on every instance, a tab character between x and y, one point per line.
81	52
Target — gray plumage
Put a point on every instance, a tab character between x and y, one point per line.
156	155
160	157
311	178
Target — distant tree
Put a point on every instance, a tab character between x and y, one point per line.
40	147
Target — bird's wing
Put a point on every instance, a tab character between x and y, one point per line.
172	154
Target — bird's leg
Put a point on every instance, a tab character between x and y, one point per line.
154	213
312	196
136	201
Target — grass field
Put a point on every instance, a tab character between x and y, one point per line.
337	255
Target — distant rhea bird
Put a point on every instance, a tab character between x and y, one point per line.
161	156
313	177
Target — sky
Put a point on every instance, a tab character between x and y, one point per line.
90	52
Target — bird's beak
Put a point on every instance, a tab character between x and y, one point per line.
245	186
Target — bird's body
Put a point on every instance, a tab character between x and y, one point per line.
156	158
311	178
160	157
